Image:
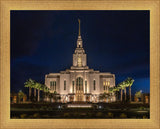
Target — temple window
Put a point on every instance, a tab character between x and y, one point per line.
64	84
79	61
85	86
73	86
94	84
53	85
108	83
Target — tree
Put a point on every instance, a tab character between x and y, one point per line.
30	84
50	95
111	91
138	94
129	81
104	96
116	91
55	96
45	90
121	86
38	86
124	88
101	97
20	95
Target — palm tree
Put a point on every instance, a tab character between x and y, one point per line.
38	86
29	83
116	90
122	86
129	81
125	93
41	87
45	90
111	91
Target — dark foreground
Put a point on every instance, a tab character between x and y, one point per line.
97	111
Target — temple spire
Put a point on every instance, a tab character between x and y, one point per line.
79	41
79	27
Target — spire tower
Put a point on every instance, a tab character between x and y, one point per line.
79	27
79	56
79	41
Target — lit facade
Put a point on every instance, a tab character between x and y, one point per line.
80	83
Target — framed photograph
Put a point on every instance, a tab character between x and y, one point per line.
76	64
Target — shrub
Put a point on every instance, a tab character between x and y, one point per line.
141	108
76	114
46	116
43	108
123	115
145	117
89	114
15	117
99	114
36	115
66	115
49	108
110	115
23	115
107	108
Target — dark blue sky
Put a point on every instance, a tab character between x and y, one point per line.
43	42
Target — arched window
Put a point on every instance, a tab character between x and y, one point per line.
79	84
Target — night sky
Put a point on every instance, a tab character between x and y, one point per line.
43	42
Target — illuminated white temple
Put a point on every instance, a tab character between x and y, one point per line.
79	83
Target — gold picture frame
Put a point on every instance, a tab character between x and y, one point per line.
7	5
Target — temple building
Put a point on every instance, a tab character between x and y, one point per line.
80	83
